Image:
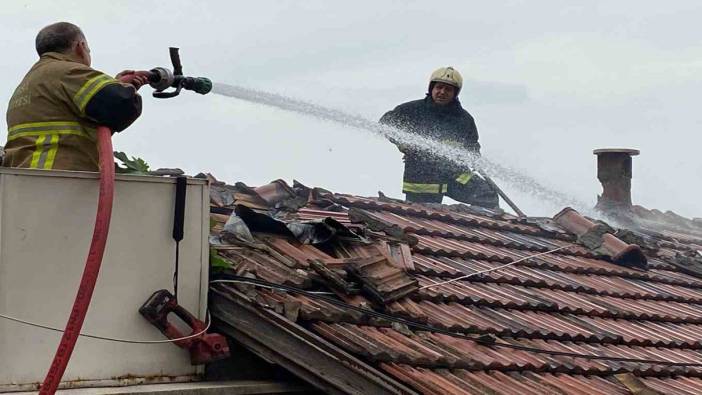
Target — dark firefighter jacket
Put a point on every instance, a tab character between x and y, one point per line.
53	114
450	124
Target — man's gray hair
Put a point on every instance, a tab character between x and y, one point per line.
57	37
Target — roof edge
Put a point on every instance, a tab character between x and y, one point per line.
296	349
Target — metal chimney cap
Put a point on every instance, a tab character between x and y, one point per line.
628	151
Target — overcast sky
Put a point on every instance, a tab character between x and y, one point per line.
547	82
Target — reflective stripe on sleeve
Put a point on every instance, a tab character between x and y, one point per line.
89	89
464	178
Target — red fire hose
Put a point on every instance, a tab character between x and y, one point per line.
92	265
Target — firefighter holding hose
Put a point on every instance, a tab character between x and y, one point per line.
54	112
440	116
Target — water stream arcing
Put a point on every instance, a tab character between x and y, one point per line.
457	155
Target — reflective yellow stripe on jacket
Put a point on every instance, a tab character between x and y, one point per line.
89	89
464	178
47	139
423	188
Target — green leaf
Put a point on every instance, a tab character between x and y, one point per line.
132	166
217	261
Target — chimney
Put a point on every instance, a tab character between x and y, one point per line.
614	172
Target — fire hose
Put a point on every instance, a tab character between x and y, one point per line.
92	264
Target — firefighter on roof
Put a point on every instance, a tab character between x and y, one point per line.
440	116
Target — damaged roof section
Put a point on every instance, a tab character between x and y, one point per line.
452	299
383	281
314	249
600	240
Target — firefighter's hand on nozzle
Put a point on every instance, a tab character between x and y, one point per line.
134	78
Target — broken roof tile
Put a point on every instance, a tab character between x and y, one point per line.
275	192
384	281
599	241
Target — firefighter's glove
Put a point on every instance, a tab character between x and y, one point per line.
134	78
